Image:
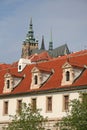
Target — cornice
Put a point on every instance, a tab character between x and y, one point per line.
43	92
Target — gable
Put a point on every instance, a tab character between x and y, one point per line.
34	70
66	65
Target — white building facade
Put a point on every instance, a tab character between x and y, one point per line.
50	86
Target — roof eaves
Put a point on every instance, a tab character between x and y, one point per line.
53	90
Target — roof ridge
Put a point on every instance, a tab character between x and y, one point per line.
81	54
8	68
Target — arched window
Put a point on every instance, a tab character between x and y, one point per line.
35	79
67	76
8	84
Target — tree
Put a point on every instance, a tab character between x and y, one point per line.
76	119
27	119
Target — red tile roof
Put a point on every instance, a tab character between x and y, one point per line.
44	56
4	66
78	59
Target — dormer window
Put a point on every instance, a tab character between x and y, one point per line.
70	73
8	84
22	64
67	75
39	77
36	79
19	67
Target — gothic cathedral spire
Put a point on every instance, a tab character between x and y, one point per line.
51	42
30	34
42	45
30	43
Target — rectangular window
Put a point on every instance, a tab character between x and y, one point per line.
66	102
84	97
49	103
33	102
5	107
19	103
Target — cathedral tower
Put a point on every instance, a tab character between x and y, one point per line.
51	43
30	43
42	45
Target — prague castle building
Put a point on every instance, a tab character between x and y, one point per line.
49	79
30	45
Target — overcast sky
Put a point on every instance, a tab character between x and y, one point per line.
66	18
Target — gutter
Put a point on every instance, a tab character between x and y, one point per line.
40	92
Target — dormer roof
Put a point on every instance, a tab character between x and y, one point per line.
78	60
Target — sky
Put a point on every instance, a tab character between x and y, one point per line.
66	18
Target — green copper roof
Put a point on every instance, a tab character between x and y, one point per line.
51	43
30	35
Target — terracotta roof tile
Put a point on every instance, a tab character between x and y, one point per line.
44	56
78	59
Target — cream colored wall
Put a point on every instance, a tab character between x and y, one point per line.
57	105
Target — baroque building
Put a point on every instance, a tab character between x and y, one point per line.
49	82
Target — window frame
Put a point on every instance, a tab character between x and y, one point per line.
49	104
66	102
34	103
5	107
19	105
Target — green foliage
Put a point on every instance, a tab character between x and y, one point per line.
76	119
27	119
